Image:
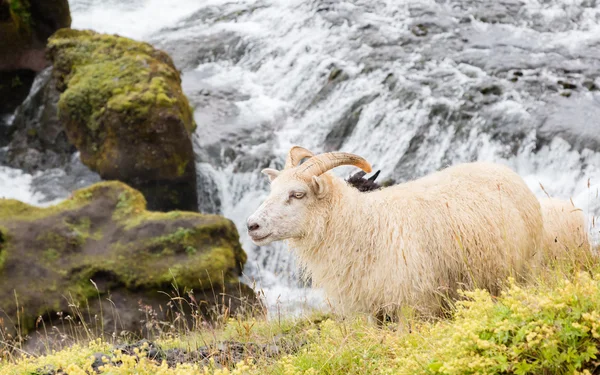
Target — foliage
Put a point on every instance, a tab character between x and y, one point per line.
552	327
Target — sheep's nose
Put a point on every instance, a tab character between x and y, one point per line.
252	227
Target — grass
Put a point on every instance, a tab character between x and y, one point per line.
551	326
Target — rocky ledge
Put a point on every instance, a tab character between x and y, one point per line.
100	254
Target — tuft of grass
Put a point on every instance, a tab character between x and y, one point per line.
549	327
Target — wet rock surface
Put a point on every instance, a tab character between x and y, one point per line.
38	140
188	54
14	88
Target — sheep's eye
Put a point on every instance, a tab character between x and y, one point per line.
297	195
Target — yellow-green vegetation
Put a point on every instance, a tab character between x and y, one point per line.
104	233
551	327
72	360
119	94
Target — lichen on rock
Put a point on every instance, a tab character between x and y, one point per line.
124	109
102	241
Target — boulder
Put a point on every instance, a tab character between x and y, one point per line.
123	108
25	26
102	254
38	140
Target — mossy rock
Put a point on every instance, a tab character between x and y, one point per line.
25	26
124	109
104	233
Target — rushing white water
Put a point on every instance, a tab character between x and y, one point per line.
14	184
413	86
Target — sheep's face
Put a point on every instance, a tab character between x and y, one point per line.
286	212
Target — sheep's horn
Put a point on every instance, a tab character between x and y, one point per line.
317	165
374	177
296	155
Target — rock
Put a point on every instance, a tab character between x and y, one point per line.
14	88
38	139
25	26
222	354
346	125
101	252
123	108
58	183
148	348
188	54
575	121
336	76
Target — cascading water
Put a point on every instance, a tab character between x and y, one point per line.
412	86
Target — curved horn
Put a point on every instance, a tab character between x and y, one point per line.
317	165
296	155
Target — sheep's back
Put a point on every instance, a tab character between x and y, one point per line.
471	225
565	230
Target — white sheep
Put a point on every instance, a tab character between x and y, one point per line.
565	231
412	244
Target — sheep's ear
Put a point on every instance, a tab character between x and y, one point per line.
320	187
271	173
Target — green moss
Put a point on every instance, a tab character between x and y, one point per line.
51	255
119	94
181	236
16	82
131	202
120	98
81	227
105	72
15	208
20	14
105	230
189	258
61	242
